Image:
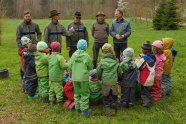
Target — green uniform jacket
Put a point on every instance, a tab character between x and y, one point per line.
108	70
54	31
56	66
80	64
41	61
80	33
95	90
28	30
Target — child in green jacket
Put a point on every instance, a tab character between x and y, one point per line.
56	68
80	64
107	72
41	61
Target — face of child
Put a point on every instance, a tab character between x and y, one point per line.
27	44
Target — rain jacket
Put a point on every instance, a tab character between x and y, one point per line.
121	27
167	45
56	66
146	65
108	70
95	87
41	61
160	59
28	30
80	64
54	31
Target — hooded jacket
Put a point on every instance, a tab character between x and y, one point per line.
146	65
160	60
80	64
108	70
41	61
167	45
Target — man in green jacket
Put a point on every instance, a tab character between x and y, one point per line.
107	71
29	29
80	33
80	64
56	68
100	33
53	31
41	61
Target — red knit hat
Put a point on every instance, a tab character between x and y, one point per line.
55	46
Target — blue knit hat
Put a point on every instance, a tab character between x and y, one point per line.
82	44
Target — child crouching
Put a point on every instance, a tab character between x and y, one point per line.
107	72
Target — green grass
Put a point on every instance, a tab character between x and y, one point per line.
16	108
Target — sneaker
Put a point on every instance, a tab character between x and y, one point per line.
131	105
124	104
71	106
86	112
78	110
113	105
67	103
32	97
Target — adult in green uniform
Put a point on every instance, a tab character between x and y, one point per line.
54	30
80	33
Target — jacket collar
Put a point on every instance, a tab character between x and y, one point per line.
28	23
120	21
101	22
54	22
77	23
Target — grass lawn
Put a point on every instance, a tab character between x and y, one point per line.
16	108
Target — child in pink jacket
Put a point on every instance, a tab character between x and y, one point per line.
156	92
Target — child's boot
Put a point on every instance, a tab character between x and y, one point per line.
86	112
35	96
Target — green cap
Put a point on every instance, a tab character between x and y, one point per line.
41	46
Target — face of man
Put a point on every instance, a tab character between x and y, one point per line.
77	19
100	18
55	18
118	15
27	18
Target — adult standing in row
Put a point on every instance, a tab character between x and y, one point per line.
80	33
54	30
100	33
120	31
29	29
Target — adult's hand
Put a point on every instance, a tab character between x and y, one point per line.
118	36
68	48
122	36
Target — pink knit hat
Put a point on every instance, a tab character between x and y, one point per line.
158	44
55	46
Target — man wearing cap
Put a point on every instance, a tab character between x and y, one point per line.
53	31
80	33
100	32
120	31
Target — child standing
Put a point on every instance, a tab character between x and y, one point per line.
128	78
30	71
56	68
146	65
156	92
25	42
166	80
95	88
107	72
80	64
41	61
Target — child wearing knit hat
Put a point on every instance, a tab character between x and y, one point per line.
127	78
146	65
41	61
80	65
156	92
107	72
56	68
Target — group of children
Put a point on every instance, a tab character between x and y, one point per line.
81	85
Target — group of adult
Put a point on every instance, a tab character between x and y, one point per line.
120	31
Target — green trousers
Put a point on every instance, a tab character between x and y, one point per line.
55	91
81	95
43	84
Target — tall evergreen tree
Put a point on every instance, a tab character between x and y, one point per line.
172	18
160	12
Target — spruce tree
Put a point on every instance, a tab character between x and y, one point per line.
160	11
172	18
